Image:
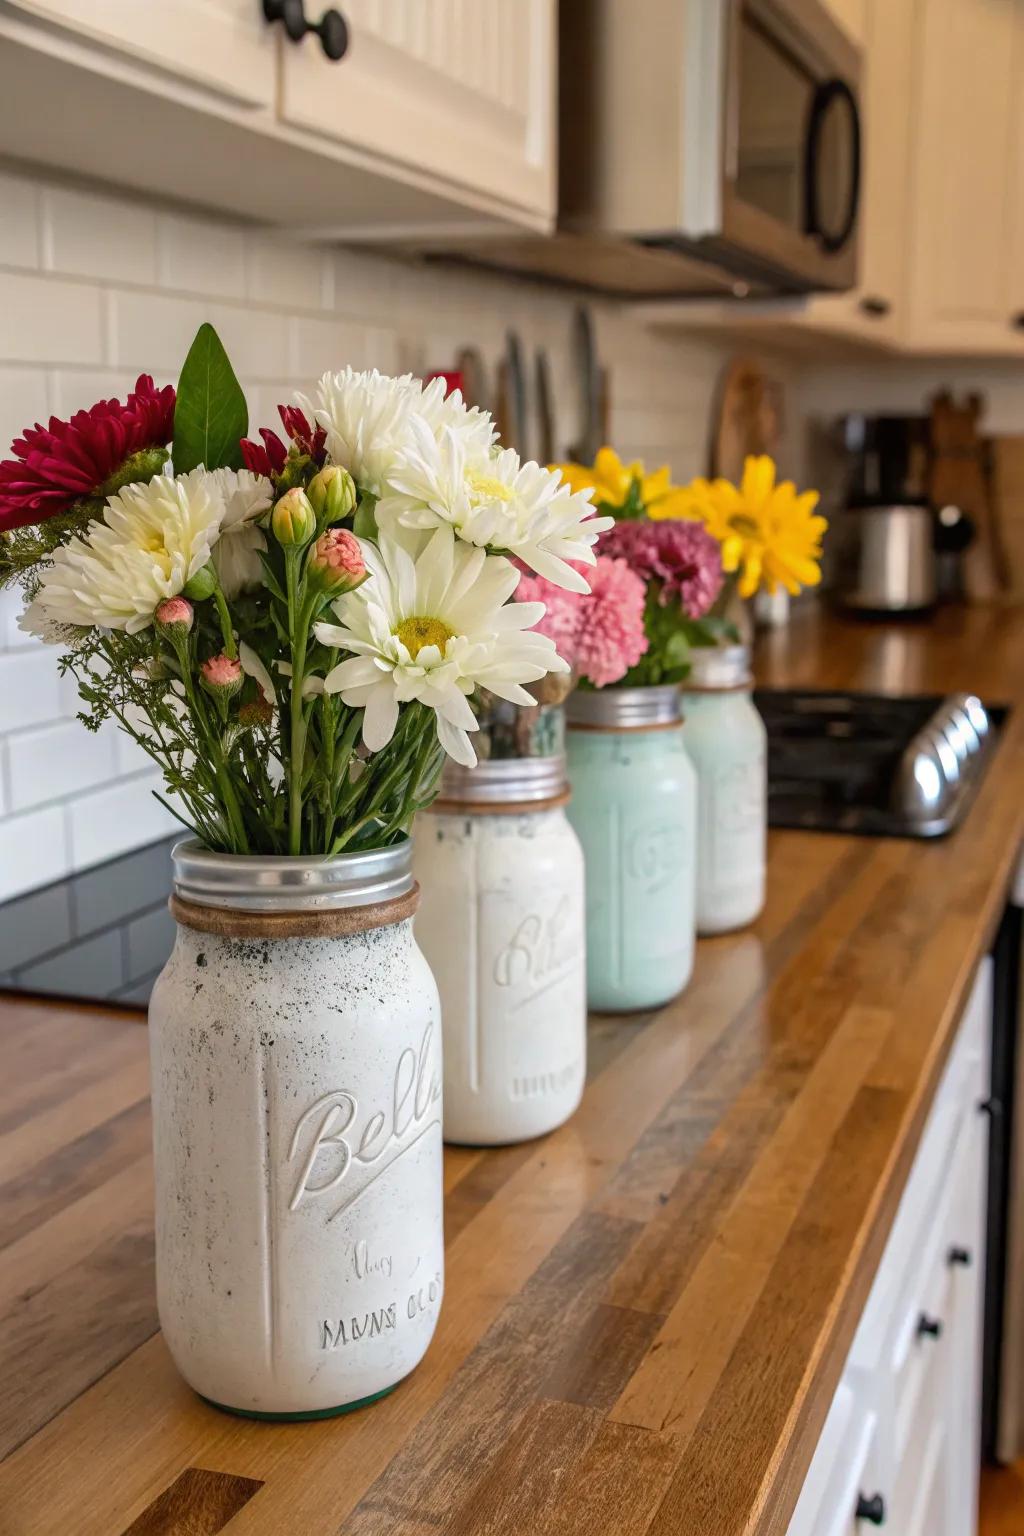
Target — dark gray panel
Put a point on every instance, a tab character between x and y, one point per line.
34	925
91	968
121	888
150	939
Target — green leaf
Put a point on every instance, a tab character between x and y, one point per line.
364	524
210	415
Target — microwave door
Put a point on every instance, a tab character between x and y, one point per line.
789	138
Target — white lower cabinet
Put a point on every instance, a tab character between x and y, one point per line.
900	1447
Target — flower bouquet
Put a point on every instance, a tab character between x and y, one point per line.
293	628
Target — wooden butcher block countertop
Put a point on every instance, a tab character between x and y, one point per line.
646	1312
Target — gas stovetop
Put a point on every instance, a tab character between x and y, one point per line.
873	764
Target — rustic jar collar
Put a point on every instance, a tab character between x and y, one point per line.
718	668
497	783
261	883
624	709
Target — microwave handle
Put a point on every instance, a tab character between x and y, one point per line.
830	91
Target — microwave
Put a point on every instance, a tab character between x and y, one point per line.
707	147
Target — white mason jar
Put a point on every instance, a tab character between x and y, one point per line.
501	922
727	743
296	1064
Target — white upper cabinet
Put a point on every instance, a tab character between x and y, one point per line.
851	16
438	119
220	45
455	88
965	251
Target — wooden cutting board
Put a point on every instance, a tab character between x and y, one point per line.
747	418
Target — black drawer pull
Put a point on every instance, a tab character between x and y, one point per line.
875	307
928	1327
872	1509
991	1107
331	29
961	1256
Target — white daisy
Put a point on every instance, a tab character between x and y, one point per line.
433	627
365	416
236	555
492	499
153	539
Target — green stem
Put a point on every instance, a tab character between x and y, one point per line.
226	627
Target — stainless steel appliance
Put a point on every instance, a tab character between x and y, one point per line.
873	764
881	555
707	148
884	560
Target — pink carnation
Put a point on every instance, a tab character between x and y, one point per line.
681	556
600	633
221	674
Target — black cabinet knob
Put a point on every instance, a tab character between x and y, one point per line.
961	1256
928	1327
331	29
871	1509
875	307
991	1107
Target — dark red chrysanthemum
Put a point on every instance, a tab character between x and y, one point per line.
270	459
303	435
56	466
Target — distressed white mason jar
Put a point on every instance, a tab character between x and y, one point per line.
727	744
501	921
296	1064
634	809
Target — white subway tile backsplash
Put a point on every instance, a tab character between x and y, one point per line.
24	400
256	339
200	256
152	331
19	227
109	821
33	850
47	320
30	688
288	276
89	236
39	761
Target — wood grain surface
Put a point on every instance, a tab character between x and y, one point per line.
646	1313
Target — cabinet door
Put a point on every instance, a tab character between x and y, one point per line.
455	88
876	309
851	16
221	45
968	98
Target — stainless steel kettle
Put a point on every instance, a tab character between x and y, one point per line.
883	558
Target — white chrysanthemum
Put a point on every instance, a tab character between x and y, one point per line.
366	416
432	627
236	555
492	499
153	539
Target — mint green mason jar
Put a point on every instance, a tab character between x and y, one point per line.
634	809
727	744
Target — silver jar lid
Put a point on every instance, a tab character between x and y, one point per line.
718	666
504	781
280	883
624	709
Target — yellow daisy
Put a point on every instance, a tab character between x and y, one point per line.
768	533
610	480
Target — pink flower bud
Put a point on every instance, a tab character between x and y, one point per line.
221	676
335	563
174	616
